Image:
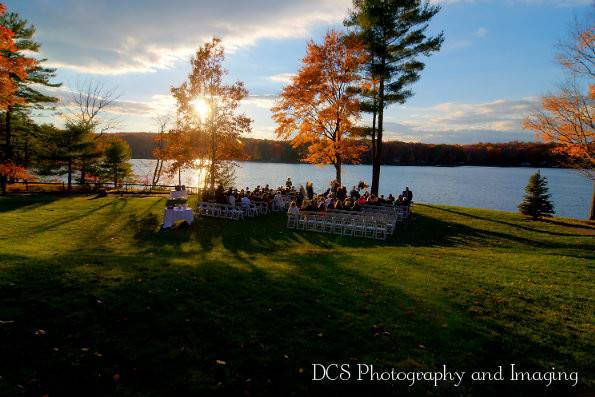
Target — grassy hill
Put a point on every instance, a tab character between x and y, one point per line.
96	301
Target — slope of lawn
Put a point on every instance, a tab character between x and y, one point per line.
96	301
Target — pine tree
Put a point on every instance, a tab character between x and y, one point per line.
536	202
395	34
27	94
115	165
66	151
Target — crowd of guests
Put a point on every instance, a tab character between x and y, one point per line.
335	197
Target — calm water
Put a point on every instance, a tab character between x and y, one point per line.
479	187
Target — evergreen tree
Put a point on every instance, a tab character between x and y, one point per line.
66	151
27	88
536	202
395	35
115	165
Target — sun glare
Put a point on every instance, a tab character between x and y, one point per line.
201	107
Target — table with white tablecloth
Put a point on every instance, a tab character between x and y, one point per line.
171	215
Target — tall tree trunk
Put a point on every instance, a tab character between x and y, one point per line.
338	164
377	159
156	173
374	130
69	175
213	160
8	135
180	176
592	215
7	148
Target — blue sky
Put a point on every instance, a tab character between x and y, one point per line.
497	60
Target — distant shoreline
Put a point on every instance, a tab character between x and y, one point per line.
401	165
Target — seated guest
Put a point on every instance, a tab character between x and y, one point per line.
390	199
293	208
338	205
347	204
362	201
400	200
381	200
322	206
231	199
245	201
354	194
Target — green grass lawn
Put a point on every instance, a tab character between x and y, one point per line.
96	301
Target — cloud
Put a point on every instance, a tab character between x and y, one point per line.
450	122
481	32
282	77
260	101
118	37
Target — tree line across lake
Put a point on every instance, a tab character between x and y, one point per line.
507	154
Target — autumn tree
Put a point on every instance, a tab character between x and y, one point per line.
395	34
319	109
162	121
208	108
24	82
566	118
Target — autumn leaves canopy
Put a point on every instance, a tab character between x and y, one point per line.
11	65
319	109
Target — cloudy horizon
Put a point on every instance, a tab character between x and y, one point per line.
491	71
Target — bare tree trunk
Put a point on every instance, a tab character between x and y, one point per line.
338	170
592	214
374	132
69	175
157	172
378	155
7	148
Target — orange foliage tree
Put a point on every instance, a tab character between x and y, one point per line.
208	117
10	66
319	109
566	118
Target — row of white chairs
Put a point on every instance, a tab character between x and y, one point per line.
235	212
389	219
401	212
342	224
217	210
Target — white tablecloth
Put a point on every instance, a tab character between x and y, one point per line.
182	194
176	214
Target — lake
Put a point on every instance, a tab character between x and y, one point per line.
479	187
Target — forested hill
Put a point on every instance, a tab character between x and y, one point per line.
395	152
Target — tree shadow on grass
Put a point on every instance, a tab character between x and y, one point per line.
222	329
269	235
518	226
12	203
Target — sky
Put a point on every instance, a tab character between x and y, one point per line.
497	59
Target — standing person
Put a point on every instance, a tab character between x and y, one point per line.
310	190
354	194
288	183
299	198
342	193
408	194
